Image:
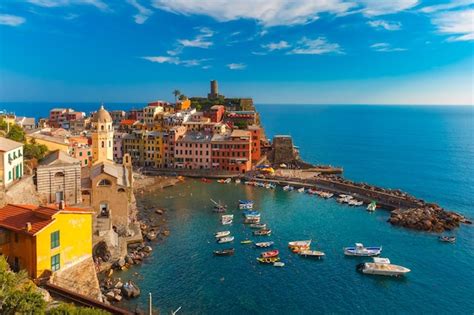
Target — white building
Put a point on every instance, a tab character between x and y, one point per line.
149	113
11	162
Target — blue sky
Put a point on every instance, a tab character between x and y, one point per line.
319	51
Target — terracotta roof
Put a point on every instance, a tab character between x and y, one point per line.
16	217
8	145
128	122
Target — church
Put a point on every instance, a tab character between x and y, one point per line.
106	186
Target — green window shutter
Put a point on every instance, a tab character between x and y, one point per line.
55	262
55	239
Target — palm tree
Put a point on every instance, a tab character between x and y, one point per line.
176	93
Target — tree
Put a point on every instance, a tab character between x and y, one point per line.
16	133
176	93
183	97
70	309
34	151
17	294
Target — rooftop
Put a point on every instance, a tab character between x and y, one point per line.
8	145
197	137
16	217
58	158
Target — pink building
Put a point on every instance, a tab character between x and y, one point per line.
193	151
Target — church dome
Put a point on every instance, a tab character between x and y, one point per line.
102	116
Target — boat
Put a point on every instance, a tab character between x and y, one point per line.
252	220
246	241
382	267
245	204
268	260
227	222
355	203
219	207
222	234
270	186
262	232
447	239
264	244
205	180
226	239
288	188
360	250
272	253
279	264
372	206
311	191
224	252
301	190
258	225
228	181
227	219
221	181
299	244
311	253
251	213
237	181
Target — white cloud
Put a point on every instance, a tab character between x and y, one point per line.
175	60
11	20
318	46
236	66
200	41
61	3
457	23
265	12
383	7
276	46
446	6
259	53
387	25
385	47
143	12
71	16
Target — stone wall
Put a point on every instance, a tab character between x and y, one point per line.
65	178
283	151
22	192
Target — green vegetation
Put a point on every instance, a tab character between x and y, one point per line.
18	295
176	93
16	133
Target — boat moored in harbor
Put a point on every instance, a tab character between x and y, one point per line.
224	252
264	244
262	232
258	225
272	253
226	239
267	260
246	241
245	204
311	254
288	188
222	234
382	267
447	239
360	250
372	206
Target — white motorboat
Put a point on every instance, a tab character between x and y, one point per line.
360	250
227	217
245	204
222	234
264	244
288	188
279	264
311	253
299	244
237	181
382	267
227	222
226	239
372	206
301	190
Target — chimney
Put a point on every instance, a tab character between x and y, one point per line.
62	205
28	226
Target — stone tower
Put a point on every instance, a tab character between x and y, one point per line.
102	136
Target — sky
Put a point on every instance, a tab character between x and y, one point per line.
276	51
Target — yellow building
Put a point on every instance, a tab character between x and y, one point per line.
51	142
145	147
45	239
102	136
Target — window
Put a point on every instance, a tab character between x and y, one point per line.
54	239
80	153
9	175
55	262
85	162
104	182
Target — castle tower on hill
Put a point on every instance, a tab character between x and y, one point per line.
102	136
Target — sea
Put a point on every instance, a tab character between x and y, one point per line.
427	151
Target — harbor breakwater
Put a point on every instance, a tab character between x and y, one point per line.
406	210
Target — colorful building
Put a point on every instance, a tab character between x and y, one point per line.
193	151
11	162
257	138
216	113
102	136
232	151
45	239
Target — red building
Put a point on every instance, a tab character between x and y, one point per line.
216	113
232	152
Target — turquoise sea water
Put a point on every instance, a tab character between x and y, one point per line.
426	151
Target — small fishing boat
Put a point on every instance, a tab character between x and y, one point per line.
262	232
249	213
447	239
279	264
270	186
205	180
219	207
224	252
227	222
228	181
360	250
311	254
264	244
258	225
299	244
301	190
382	267
288	188
222	234
237	181
268	260
226	239
245	204
221	181
227	219
372	206
246	241
311	191
269	254
252	220
355	203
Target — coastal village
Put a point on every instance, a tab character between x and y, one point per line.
70	186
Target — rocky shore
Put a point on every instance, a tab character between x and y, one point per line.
430	218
